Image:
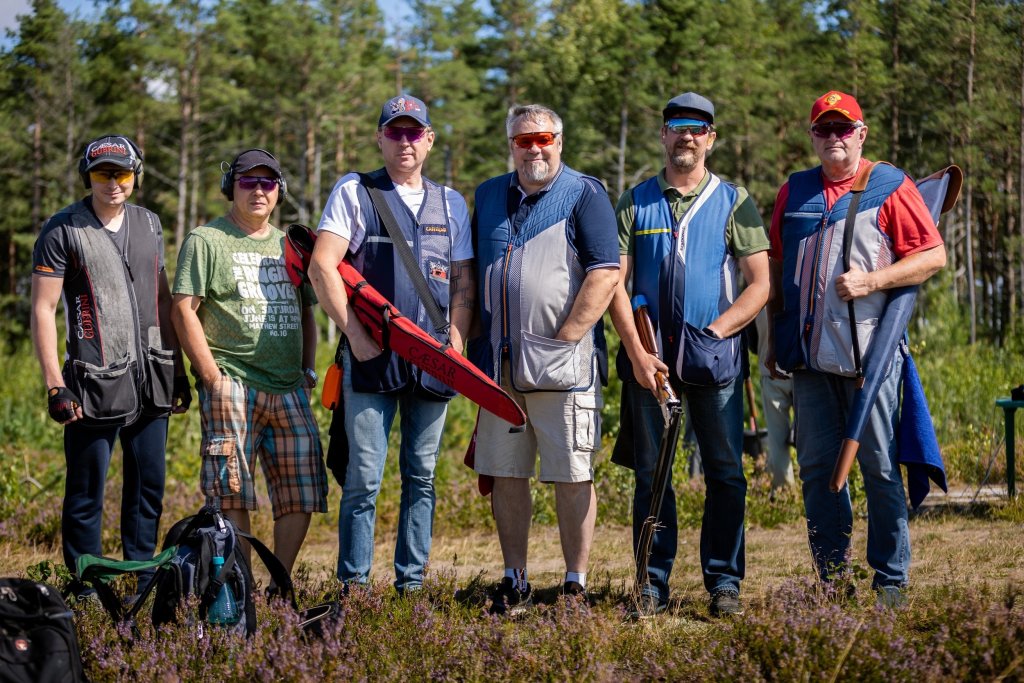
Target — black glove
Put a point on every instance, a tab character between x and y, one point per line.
62	404
182	392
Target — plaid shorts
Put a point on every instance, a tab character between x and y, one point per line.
240	423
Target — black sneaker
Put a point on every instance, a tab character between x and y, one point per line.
509	601
647	607
573	588
725	602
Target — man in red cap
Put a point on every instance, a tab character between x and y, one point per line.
890	241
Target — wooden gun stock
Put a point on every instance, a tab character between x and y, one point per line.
645	329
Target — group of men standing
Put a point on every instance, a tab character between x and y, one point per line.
521	287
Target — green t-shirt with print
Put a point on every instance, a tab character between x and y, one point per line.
250	311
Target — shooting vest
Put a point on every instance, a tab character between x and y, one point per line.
529	279
683	268
430	236
116	361
813	328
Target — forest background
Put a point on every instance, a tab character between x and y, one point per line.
194	83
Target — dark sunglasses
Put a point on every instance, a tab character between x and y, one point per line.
410	134
840	129
691	126
250	182
528	140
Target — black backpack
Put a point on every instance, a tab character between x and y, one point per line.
38	643
185	568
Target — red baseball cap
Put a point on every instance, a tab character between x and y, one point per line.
834	100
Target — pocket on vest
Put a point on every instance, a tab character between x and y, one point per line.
708	361
108	393
158	389
835	351
546	364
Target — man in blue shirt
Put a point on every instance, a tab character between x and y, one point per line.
548	265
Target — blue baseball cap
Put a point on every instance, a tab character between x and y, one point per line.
689	102
403	105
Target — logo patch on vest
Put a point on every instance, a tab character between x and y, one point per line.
438	271
435	229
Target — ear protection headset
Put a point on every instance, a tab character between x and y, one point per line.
136	169
227	180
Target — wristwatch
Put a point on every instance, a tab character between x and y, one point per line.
310	374
710	332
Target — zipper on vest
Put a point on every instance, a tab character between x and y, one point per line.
505	341
140	359
812	295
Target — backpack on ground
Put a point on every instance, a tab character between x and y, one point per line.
186	568
38	643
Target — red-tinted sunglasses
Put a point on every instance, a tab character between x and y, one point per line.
840	129
410	134
528	140
250	182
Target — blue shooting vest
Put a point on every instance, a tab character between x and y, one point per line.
430	237
694	286
813	328
528	283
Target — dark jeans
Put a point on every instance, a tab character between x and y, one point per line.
87	452
717	418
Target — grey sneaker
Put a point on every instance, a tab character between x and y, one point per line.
647	607
725	602
507	600
892	597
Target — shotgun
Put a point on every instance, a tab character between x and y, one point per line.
672	411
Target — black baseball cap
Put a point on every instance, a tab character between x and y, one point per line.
252	158
111	149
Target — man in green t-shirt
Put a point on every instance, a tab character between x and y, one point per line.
684	235
251	338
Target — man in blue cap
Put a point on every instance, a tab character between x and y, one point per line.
434	221
684	235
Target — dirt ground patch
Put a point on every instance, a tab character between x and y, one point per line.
947	548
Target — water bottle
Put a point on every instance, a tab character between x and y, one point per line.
224	610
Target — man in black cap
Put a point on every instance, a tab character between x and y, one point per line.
105	258
434	221
251	337
684	235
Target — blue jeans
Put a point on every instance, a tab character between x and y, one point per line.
717	417
822	403
368	420
87	452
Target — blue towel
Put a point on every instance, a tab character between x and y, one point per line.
916	441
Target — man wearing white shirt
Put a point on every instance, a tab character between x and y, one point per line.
434	220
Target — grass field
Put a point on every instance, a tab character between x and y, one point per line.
964	620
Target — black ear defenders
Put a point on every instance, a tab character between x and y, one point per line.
227	179
95	149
